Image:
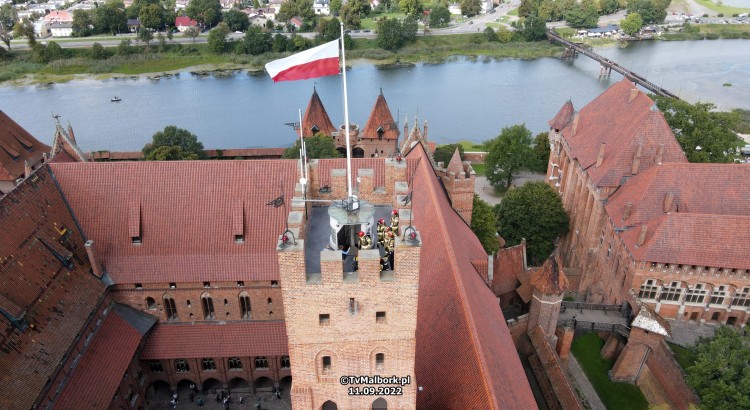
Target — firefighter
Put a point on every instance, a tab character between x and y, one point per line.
364	241
381	232
394	222
390	244
384	263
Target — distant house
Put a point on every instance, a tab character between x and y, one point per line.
184	22
60	29
41	29
455	8
134	25
322	7
58	16
181	4
258	20
487	5
296	22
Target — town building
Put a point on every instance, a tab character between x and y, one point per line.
123	282
644	218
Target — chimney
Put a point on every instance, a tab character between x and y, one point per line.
575	125
642	236
628	209
637	159
659	153
70	132
668	201
633	94
96	267
406	129
424	136
600	157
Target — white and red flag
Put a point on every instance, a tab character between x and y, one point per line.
315	62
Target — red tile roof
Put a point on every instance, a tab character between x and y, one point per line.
188	340
465	357
185	216
507	265
16	147
93	382
377	165
563	117
316	116
622	121
455	166
693	239
381	118
184	21
695	188
550	278
33	279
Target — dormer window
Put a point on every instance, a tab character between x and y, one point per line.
315	129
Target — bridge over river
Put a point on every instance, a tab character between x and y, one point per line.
573	49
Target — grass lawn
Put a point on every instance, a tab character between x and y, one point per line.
683	355
371	23
619	396
513	12
479	169
470	145
719	8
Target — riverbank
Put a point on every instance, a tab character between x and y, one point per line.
171	58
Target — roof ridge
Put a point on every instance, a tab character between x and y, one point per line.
474	333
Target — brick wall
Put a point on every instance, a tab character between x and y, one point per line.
668	373
552	372
544	311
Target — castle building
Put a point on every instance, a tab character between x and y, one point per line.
126	282
20	153
644	218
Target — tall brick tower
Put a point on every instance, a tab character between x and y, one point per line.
549	283
458	178
342	324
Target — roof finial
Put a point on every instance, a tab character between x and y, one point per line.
381	90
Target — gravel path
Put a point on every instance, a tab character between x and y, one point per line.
582	384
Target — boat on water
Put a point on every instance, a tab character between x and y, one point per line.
116	99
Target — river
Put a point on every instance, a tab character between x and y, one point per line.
464	98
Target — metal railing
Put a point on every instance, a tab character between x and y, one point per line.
583	326
593	306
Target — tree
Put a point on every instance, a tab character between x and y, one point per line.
484	225
439	16
582	16
205	12
25	29
411	7
389	34
191	32
444	153
541	152
82	23
471	8
409	29
528	7
549	10
151	16
508	153
280	43
317	146
335	6
720	373
489	34
145	35
255	42
110	18
534	212
8	18
217	38
287	10
98	52
609	6
173	144
534	28
328	30
236	20
503	35
631	24
704	134
651	11
351	11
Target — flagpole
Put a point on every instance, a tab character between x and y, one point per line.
346	119
303	153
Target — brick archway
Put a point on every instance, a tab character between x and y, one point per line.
329	405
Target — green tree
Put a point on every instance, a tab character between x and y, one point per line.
471	8
205	12
335	6
535	212
444	153
98	52
489	34
389	34
351	13
533	28
25	29
582	16
255	42
503	35
280	43
287	10
8	16
217	38
507	154
236	20
631	24
705	135
318	146
145	35
651	11
549	10
151	16
110	18
82	23
484	225
541	152
191	32
409	28
328	30
609	6
439	17
720	374
528	8
54	51
124	48
173	143
411	7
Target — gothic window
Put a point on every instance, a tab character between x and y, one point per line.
672	292
154	366
315	129
208	364
261	362
381	131
379	361
235	363
741	298
245	309
695	294
181	365
718	295
649	289
326	364
150	303
170	309
208	306
285	364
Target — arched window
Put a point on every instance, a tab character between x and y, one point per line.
261	363
235	363
155	366
181	366
208	364
150	303
379	361
208	306
327	364
170	309
246	311
285	364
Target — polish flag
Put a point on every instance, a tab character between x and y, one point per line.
316	62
